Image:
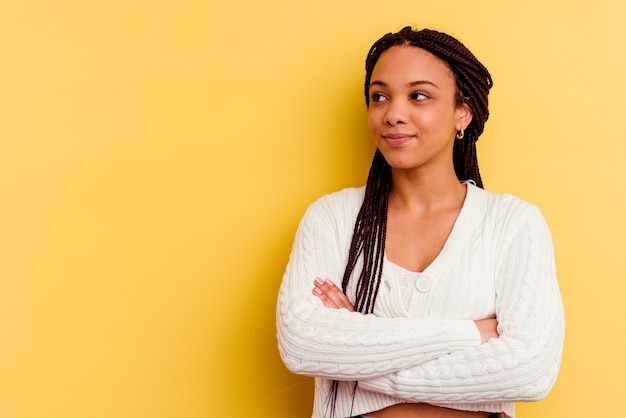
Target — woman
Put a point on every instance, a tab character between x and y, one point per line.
431	296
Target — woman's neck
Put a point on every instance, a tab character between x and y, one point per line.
418	192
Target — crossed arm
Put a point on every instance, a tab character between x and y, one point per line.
332	297
425	359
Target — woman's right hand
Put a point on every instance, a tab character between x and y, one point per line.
488	328
330	295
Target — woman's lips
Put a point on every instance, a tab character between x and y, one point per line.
397	140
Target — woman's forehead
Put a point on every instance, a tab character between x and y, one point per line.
410	62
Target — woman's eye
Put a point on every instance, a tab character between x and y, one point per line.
418	96
377	97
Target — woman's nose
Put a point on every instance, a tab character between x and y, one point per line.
395	114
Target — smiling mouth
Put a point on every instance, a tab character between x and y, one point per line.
396	140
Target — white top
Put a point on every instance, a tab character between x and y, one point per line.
421	344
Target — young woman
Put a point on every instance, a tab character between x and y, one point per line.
421	294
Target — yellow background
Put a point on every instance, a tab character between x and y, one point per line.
156	156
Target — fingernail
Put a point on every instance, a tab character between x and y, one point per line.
329	282
317	291
318	281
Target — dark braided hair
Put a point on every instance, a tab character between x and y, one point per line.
473	82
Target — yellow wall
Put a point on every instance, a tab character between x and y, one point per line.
156	156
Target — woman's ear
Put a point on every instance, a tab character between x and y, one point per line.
464	117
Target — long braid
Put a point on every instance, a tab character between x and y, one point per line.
370	232
473	82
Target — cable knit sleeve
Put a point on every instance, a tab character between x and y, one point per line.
337	344
523	363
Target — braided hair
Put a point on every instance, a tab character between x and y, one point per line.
473	82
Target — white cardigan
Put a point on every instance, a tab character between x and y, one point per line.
421	344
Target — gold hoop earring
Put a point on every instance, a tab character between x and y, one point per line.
460	134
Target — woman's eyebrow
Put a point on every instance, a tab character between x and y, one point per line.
378	83
411	84
420	82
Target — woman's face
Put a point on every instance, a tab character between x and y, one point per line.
413	115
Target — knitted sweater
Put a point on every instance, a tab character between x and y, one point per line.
421	344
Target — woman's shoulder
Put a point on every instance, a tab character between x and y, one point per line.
347	198
343	204
505	208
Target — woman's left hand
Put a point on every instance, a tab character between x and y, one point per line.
330	295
